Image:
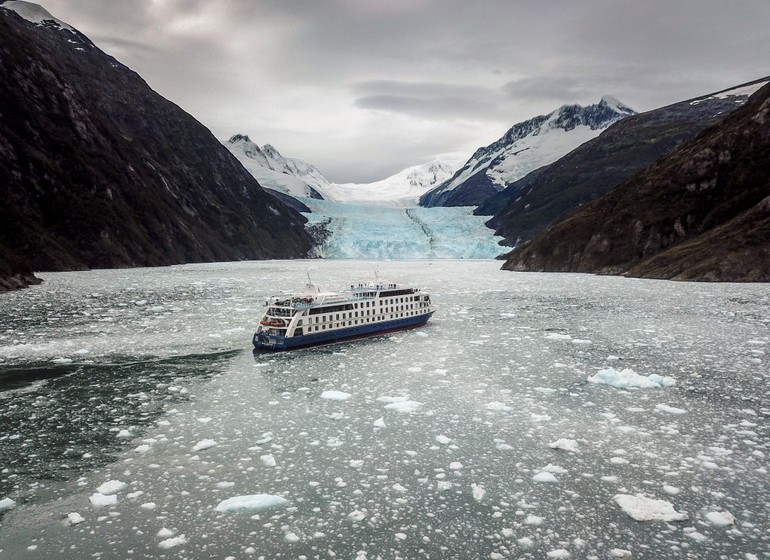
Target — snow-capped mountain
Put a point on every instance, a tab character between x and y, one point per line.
273	171
35	13
400	190
525	147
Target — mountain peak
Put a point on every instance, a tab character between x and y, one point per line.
525	147
235	138
612	102
34	13
270	151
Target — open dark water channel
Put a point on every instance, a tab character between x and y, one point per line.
133	407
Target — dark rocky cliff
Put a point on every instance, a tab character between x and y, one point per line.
701	213
99	171
527	207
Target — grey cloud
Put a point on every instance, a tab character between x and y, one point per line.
428	107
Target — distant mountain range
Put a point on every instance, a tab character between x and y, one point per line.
526	146
98	170
702	212
527	207
298	179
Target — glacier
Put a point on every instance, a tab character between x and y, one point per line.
356	231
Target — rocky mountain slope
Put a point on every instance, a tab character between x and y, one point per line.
546	196
98	170
700	213
525	147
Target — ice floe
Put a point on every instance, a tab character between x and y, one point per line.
641	508
629	379
251	502
570	445
335	395
720	518
204	444
6	504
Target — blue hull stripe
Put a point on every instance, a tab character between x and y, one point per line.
272	342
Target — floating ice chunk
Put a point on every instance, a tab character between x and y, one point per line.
557	336
628	378
495	405
544	477
558	553
478	492
251	502
581	341
540	417
443	440
356	515
556	469
172	542
525	542
144	448
100	500
669	409
267	460
6	504
148	505
672	490
124	434
379	423
720	518
455	465
335	395
620	553
204	444
62	360
74	518
205	420
111	487
566	444
392	399
406	407
164	533
533	520
641	508
267	437
695	535
415	369
399	487
291	537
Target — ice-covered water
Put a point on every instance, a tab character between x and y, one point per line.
137	423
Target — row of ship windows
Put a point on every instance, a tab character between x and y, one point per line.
351	323
367	312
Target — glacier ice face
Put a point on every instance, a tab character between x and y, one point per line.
367	232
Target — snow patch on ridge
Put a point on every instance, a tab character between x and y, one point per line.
34	13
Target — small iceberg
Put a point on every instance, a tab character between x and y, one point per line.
251	502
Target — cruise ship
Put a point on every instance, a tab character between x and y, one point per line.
365	310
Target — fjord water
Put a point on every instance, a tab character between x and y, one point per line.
477	436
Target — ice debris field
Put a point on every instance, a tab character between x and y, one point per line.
535	416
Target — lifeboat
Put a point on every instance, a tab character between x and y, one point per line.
273	322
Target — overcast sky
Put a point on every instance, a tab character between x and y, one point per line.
365	88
